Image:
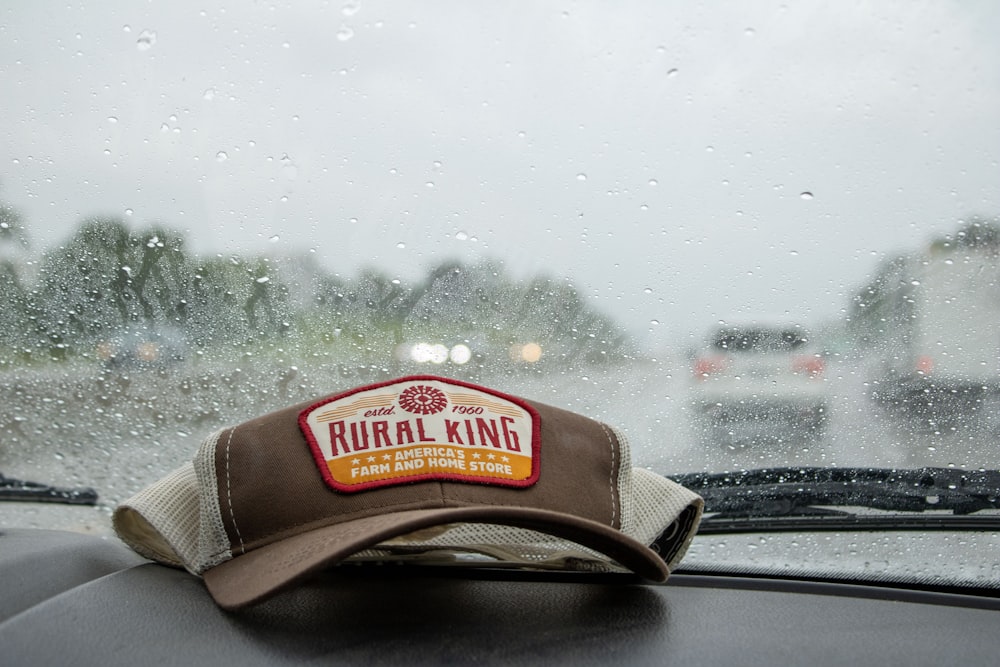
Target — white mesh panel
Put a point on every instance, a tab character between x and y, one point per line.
498	544
161	521
658	503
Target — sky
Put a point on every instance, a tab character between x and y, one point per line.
680	163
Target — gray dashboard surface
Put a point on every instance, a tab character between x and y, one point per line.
79	600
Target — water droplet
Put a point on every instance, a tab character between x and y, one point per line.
401	245
288	168
648	290
654	323
709	149
345	33
262	280
221	156
462	236
429	184
129	211
113	120
671	73
581	176
274	239
654	182
350	9
147	38
749	32
209	94
806	195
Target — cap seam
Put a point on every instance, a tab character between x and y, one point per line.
611	474
229	495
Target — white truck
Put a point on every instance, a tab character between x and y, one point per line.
939	351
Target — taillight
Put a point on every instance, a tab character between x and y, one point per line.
812	365
704	367
925	364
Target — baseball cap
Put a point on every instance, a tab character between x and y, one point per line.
418	469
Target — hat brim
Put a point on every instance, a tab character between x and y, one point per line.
256	575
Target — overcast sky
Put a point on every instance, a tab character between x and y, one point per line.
657	154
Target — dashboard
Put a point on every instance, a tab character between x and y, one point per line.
82	599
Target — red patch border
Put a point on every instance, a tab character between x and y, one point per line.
536	441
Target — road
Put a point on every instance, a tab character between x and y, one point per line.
117	432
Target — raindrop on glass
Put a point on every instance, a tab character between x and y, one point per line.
806	195
147	38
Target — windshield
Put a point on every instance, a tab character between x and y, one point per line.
751	236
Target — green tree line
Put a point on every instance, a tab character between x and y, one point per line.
108	278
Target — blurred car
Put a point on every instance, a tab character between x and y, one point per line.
759	383
144	348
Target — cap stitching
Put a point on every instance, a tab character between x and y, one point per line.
611	475
229	494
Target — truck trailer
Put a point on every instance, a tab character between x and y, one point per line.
939	333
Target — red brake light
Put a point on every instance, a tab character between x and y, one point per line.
812	365
706	366
925	364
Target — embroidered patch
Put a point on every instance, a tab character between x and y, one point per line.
423	428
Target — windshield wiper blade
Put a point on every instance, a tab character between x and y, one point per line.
20	490
811	492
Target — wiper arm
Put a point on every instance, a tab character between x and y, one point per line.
810	491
